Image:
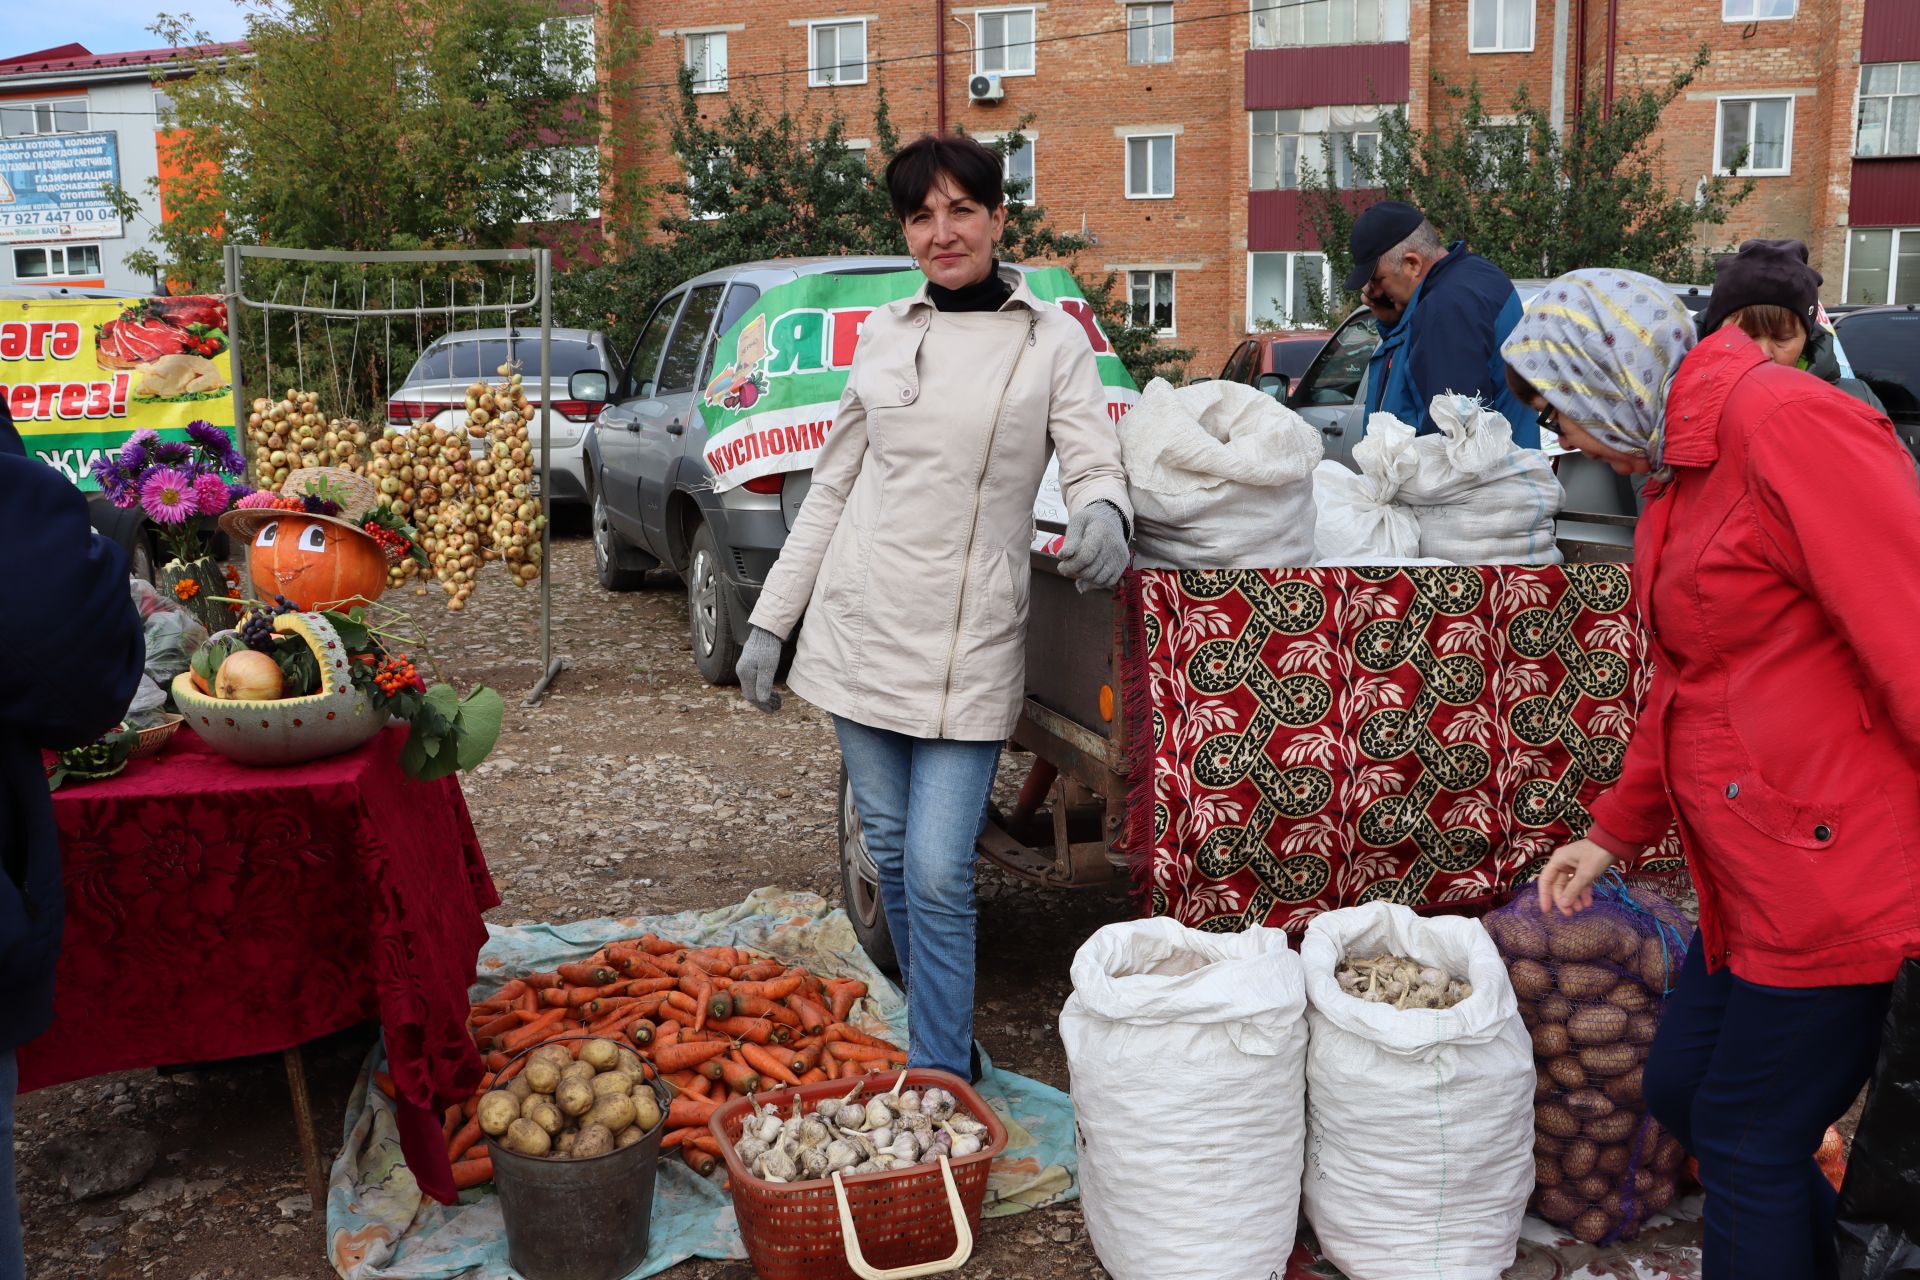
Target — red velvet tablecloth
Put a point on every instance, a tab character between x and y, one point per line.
216	910
1320	738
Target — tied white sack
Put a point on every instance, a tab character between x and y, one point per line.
1360	519
1478	497
1419	1121
1224	1015
1219	478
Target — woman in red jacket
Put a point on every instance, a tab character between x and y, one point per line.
1774	566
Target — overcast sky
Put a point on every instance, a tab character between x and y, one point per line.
109	26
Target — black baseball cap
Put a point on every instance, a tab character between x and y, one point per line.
1374	233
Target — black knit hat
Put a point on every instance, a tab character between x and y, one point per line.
1764	273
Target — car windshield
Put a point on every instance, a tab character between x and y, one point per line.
482	358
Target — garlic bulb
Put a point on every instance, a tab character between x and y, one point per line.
750	1150
814	1162
965	1145
778	1166
842	1154
878	1113
814	1133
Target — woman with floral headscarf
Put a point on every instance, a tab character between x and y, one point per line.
1774	567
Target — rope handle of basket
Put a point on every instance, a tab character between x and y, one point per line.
962	1233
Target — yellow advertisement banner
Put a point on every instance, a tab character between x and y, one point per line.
81	375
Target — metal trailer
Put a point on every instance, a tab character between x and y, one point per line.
1071	810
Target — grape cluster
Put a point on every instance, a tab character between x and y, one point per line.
257	630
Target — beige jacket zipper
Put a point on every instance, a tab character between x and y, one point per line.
973	524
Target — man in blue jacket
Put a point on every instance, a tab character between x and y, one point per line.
1443	313
71	653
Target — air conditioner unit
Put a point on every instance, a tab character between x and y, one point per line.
986	87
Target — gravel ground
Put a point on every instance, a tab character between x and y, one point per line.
633	789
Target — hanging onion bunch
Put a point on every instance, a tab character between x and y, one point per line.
289	433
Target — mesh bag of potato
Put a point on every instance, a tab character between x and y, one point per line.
1591	988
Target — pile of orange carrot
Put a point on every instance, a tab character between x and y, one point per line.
714	1022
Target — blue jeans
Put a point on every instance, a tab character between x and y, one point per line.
13	1260
920	802
1748	1078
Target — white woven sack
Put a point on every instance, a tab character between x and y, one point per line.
1219	478
1420	1122
1359	519
1477	497
1208	1191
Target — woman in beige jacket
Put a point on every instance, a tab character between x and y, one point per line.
910	560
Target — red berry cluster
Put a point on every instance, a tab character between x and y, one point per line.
395	675
395	545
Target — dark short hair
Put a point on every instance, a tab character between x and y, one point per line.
1765	320
917	166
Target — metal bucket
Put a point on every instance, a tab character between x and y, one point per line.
579	1219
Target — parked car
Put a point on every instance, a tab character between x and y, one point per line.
434	391
646	472
1274	361
1883	346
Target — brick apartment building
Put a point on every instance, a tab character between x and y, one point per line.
1173	131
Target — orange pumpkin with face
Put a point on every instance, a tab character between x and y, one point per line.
317	564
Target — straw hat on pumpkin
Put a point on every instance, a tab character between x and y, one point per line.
355	494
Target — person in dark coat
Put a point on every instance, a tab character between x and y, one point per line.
71	654
1774	574
1442	314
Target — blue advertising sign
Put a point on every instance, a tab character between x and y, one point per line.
53	187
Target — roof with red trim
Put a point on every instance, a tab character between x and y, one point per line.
77	57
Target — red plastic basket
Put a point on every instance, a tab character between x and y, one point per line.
918	1221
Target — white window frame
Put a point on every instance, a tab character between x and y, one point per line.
693	183
165	111
980	17
1719	132
1031	138
1293	256
1391	19
1863	97
1154	27
828	77
549	212
1173	164
707	37
53	107
1893	262
1502	37
1153	292
1727	14
65	272
1309	152
590	74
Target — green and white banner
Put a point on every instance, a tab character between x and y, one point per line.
783	365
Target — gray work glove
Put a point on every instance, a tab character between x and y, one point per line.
1095	552
759	659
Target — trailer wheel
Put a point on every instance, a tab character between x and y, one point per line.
860	885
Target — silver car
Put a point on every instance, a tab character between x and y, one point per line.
646	469
435	390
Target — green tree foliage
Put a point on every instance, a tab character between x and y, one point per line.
401	125
763	185
1537	203
406	124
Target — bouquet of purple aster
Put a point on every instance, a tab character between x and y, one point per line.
184	487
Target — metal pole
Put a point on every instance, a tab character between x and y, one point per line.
231	261
549	665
